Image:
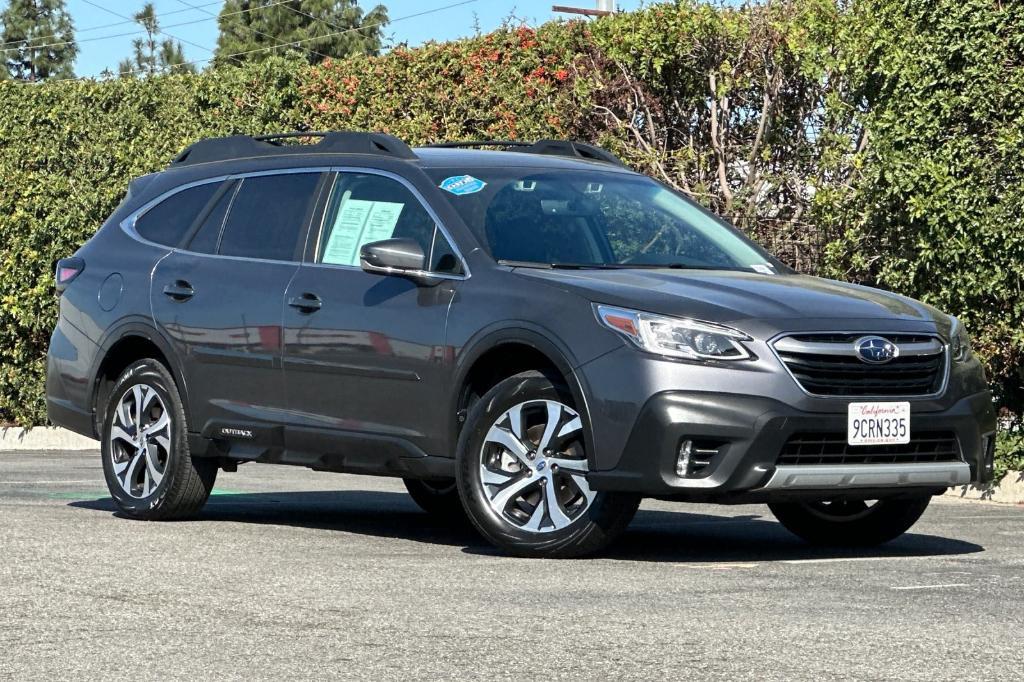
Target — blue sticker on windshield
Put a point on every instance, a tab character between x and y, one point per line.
462	184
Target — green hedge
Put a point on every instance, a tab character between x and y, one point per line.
67	151
935	209
876	140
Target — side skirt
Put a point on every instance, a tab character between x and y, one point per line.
319	449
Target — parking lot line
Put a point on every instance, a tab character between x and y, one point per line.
833	560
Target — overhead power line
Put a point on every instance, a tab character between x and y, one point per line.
253	30
112	25
139	31
158	30
95	38
297	42
307	14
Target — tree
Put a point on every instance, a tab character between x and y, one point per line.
151	55
315	28
38	40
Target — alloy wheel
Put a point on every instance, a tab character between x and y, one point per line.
140	441
533	467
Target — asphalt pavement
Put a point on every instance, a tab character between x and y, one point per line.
291	574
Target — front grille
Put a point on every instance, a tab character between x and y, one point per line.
832	448
826	364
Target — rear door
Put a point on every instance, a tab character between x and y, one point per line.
219	299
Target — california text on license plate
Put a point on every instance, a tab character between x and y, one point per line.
878	424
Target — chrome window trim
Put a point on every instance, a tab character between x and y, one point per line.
128	224
859	398
466	274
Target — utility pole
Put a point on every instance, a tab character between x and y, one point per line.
604	9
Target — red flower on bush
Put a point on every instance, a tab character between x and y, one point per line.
526	35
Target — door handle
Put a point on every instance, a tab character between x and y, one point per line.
180	290
307	303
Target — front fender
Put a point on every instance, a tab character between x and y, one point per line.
524	333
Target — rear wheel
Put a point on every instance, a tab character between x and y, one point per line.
858	523
146	461
439	497
521	472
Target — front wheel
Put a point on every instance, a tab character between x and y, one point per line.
857	523
521	472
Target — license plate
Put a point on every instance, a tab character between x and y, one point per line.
878	424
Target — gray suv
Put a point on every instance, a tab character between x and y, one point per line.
530	335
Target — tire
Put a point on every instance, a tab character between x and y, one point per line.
161	480
506	479
436	497
850	523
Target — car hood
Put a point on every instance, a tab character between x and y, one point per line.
752	302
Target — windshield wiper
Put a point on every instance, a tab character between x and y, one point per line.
523	263
684	266
616	266
588	266
560	266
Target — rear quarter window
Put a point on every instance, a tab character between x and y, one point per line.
169	221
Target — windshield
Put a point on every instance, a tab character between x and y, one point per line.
592	219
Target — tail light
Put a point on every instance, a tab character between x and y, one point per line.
67	270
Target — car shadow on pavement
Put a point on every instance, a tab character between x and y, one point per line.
745	538
654	535
364	512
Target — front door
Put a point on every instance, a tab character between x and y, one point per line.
364	355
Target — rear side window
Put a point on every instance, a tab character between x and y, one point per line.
206	237
268	216
168	222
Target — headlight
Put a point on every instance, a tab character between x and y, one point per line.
959	341
675	337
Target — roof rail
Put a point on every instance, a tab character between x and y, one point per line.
578	150
245	146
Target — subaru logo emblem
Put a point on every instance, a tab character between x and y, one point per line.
875	349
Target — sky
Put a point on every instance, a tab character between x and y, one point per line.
102	45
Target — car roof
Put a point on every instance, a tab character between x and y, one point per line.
451	157
345	145
242	154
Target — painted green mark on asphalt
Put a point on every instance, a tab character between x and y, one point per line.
103	494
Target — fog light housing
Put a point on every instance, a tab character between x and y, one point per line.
684	458
696	456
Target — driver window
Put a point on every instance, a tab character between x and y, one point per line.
365	208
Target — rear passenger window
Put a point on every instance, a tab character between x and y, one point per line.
206	237
268	216
168	222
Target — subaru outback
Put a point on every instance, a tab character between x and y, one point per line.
529	334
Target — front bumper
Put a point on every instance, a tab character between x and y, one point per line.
750	433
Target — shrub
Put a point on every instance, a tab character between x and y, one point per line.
934	208
67	151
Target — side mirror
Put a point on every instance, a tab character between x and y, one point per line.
402	257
